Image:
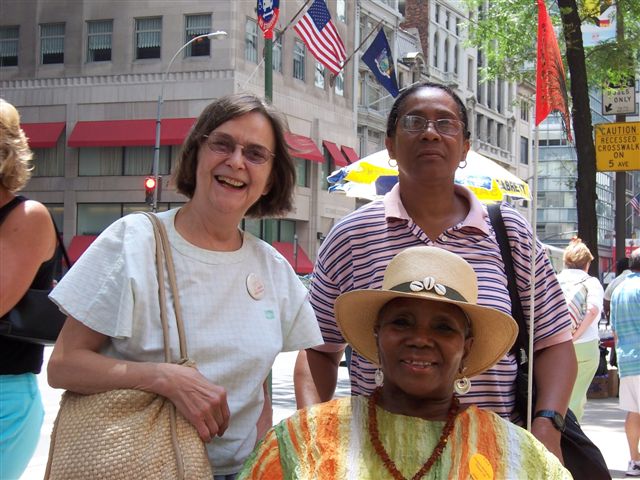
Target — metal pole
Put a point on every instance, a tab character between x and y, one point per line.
156	149
621	177
268	69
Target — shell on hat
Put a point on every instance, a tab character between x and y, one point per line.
440	268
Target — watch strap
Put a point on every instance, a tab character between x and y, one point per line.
556	418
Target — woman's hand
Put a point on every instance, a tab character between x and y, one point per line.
201	402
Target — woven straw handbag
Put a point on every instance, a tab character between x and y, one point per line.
126	434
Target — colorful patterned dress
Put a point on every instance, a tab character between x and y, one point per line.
331	441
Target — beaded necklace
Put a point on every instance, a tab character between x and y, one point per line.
384	456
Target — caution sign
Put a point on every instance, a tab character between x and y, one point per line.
618	146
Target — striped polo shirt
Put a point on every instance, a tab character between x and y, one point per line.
357	250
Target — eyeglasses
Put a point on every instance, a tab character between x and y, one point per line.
444	126
225	145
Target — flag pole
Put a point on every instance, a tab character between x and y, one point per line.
375	29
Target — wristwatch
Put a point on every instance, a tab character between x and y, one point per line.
556	418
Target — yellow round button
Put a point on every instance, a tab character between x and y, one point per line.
480	467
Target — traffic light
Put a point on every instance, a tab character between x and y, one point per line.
149	189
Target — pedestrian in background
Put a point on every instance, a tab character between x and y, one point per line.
625	321
27	256
583	294
622	270
242	303
428	136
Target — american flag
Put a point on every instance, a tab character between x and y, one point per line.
320	36
635	203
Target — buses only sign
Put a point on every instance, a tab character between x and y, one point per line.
618	146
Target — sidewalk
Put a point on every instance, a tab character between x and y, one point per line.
602	422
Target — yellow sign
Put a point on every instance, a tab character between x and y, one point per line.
618	146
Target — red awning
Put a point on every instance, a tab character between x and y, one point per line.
303	147
43	135
129	133
351	154
303	264
335	153
78	245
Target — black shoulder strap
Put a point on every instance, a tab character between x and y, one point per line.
495	216
6	209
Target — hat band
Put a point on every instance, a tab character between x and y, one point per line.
441	290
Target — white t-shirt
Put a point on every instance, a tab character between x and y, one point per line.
233	337
595	296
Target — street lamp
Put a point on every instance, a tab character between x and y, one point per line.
156	150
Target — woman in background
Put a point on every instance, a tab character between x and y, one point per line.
27	256
584	296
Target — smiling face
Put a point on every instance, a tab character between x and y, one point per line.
230	184
427	156
421	346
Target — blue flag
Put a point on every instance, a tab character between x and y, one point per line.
378	58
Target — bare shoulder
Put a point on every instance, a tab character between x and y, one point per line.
30	225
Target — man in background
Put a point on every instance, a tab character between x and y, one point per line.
625	322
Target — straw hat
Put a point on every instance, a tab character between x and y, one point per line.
433	274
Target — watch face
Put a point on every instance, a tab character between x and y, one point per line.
558	420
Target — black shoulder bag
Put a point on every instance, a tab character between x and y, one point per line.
581	457
35	318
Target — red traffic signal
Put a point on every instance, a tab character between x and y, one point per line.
149	189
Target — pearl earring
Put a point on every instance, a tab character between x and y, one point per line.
462	385
378	377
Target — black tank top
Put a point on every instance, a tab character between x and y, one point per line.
21	357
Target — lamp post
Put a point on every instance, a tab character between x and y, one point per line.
156	150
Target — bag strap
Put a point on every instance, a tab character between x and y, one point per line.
163	253
497	221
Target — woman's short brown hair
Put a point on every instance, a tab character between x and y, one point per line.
15	154
279	200
576	255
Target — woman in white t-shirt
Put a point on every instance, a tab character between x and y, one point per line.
241	301
584	296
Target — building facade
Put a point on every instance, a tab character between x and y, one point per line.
86	77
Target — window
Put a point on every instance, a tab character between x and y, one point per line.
302	172
139	160
319	78
196	25
341	10
276	58
148	37
524	110
48	162
99	35
52	43
270	230
251	41
298	60
9	46
524	151
437	16
339	86
117	161
456	58
436	47
446	55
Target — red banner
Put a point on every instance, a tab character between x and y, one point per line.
551	88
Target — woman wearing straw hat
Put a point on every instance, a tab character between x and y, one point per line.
427	335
